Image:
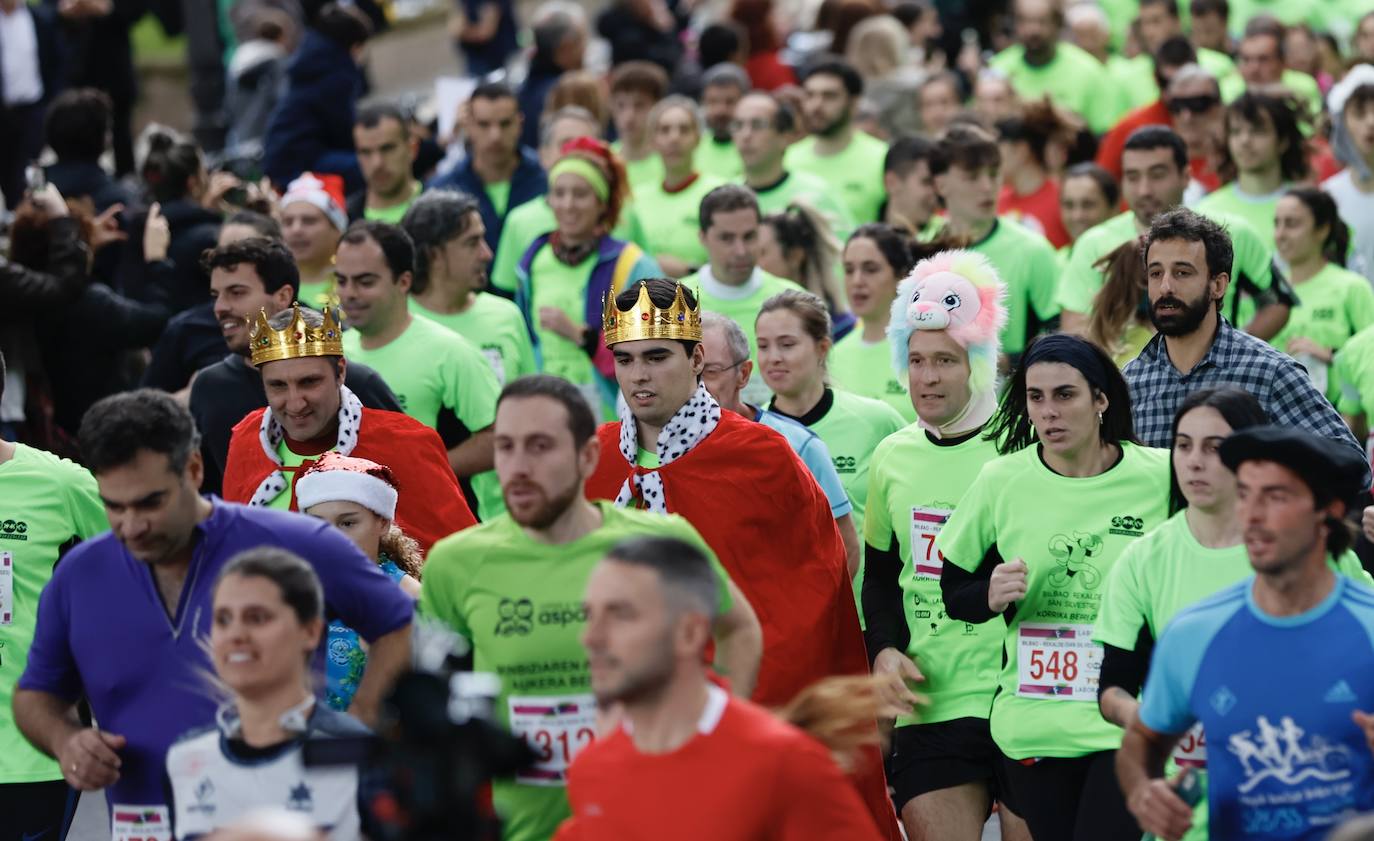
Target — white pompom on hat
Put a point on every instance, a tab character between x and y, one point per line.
336	478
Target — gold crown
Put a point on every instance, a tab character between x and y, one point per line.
646	321
297	340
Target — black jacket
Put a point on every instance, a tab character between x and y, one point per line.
311	128
178	282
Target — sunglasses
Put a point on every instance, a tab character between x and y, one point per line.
1195	104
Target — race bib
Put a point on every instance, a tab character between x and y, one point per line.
1057	662
926	560
555	727
498	365
140	823
1191	751
6	588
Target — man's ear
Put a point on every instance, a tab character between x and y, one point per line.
1219	283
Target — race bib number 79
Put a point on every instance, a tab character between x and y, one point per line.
926	560
556	727
1057	662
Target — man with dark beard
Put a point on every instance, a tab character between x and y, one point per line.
513	588
847	159
1186	260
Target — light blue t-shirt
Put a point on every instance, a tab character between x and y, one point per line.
1274	695
815	455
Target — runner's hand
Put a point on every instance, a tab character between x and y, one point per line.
897	669
1366	722
157	235
1159	810
89	759
1008	585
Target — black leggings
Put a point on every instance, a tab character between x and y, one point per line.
1072	799
40	811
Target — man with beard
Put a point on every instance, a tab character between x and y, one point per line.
1186	261
848	160
722	87
513	588
743	488
1154	164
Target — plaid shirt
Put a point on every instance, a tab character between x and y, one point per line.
1235	358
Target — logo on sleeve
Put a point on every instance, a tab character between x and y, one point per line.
1128	526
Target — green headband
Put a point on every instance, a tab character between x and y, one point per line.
587	170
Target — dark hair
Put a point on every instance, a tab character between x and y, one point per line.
581	421
687	577
169	164
295	578
395	243
892	242
1210	7
2	374
371	116
1285	114
262	223
552	25
833	65
662	292
116	428
801	226
1170	5
1111	191
1265	25
1037	123
1118	300
841	16
1184	224
1324	212
494	89
808	307
1361	97
1149	138
433	219
717	44
640	77
31	235
905	152
908	12
270	258
346	26
1175	51
723	199
1011	426
1237	407
78	123
965	146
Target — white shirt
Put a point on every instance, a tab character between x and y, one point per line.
1357	209
23	82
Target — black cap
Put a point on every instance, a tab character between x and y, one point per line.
1330	468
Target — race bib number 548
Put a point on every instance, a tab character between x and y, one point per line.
556	727
1057	662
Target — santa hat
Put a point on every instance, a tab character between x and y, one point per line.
959	292
336	478
323	190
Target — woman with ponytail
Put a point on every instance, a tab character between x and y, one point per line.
1334	303
797	244
566	274
1120	321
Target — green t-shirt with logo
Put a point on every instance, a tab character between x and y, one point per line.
1080	281
720	159
865	368
1333	305
676	224
855	175
1069	531
393	215
741	305
1073	79
914	484
1026	263
815	192
519	603
46	504
496	327
1258	211
531	220
499	194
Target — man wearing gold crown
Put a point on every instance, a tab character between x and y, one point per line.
744	489
310	412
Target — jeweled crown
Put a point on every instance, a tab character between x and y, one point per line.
646	321
297	340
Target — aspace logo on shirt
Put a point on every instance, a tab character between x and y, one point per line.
14	530
846	464
1128	525
517	617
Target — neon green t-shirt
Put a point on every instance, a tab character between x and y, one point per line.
813	191
1256	210
1080	281
48	502
719	158
519	602
914	484
533	219
865	368
1352	375
1069	532
1139	73
496	327
1027	265
1288	12
740	304
676	227
499	194
646	170
393	215
1333	305
1073	79
289	458
318	295
855	175
1302	85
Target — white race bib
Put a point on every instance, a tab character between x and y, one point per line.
1191	751
6	588
498	365
555	727
1057	662
926	560
140	823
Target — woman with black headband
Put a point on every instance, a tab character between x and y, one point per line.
1033	540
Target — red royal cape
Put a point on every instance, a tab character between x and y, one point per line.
431	505
758	508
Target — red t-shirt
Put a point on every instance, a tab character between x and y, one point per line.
749	777
768	73
1038	211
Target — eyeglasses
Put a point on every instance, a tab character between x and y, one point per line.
757	124
1195	104
717	370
